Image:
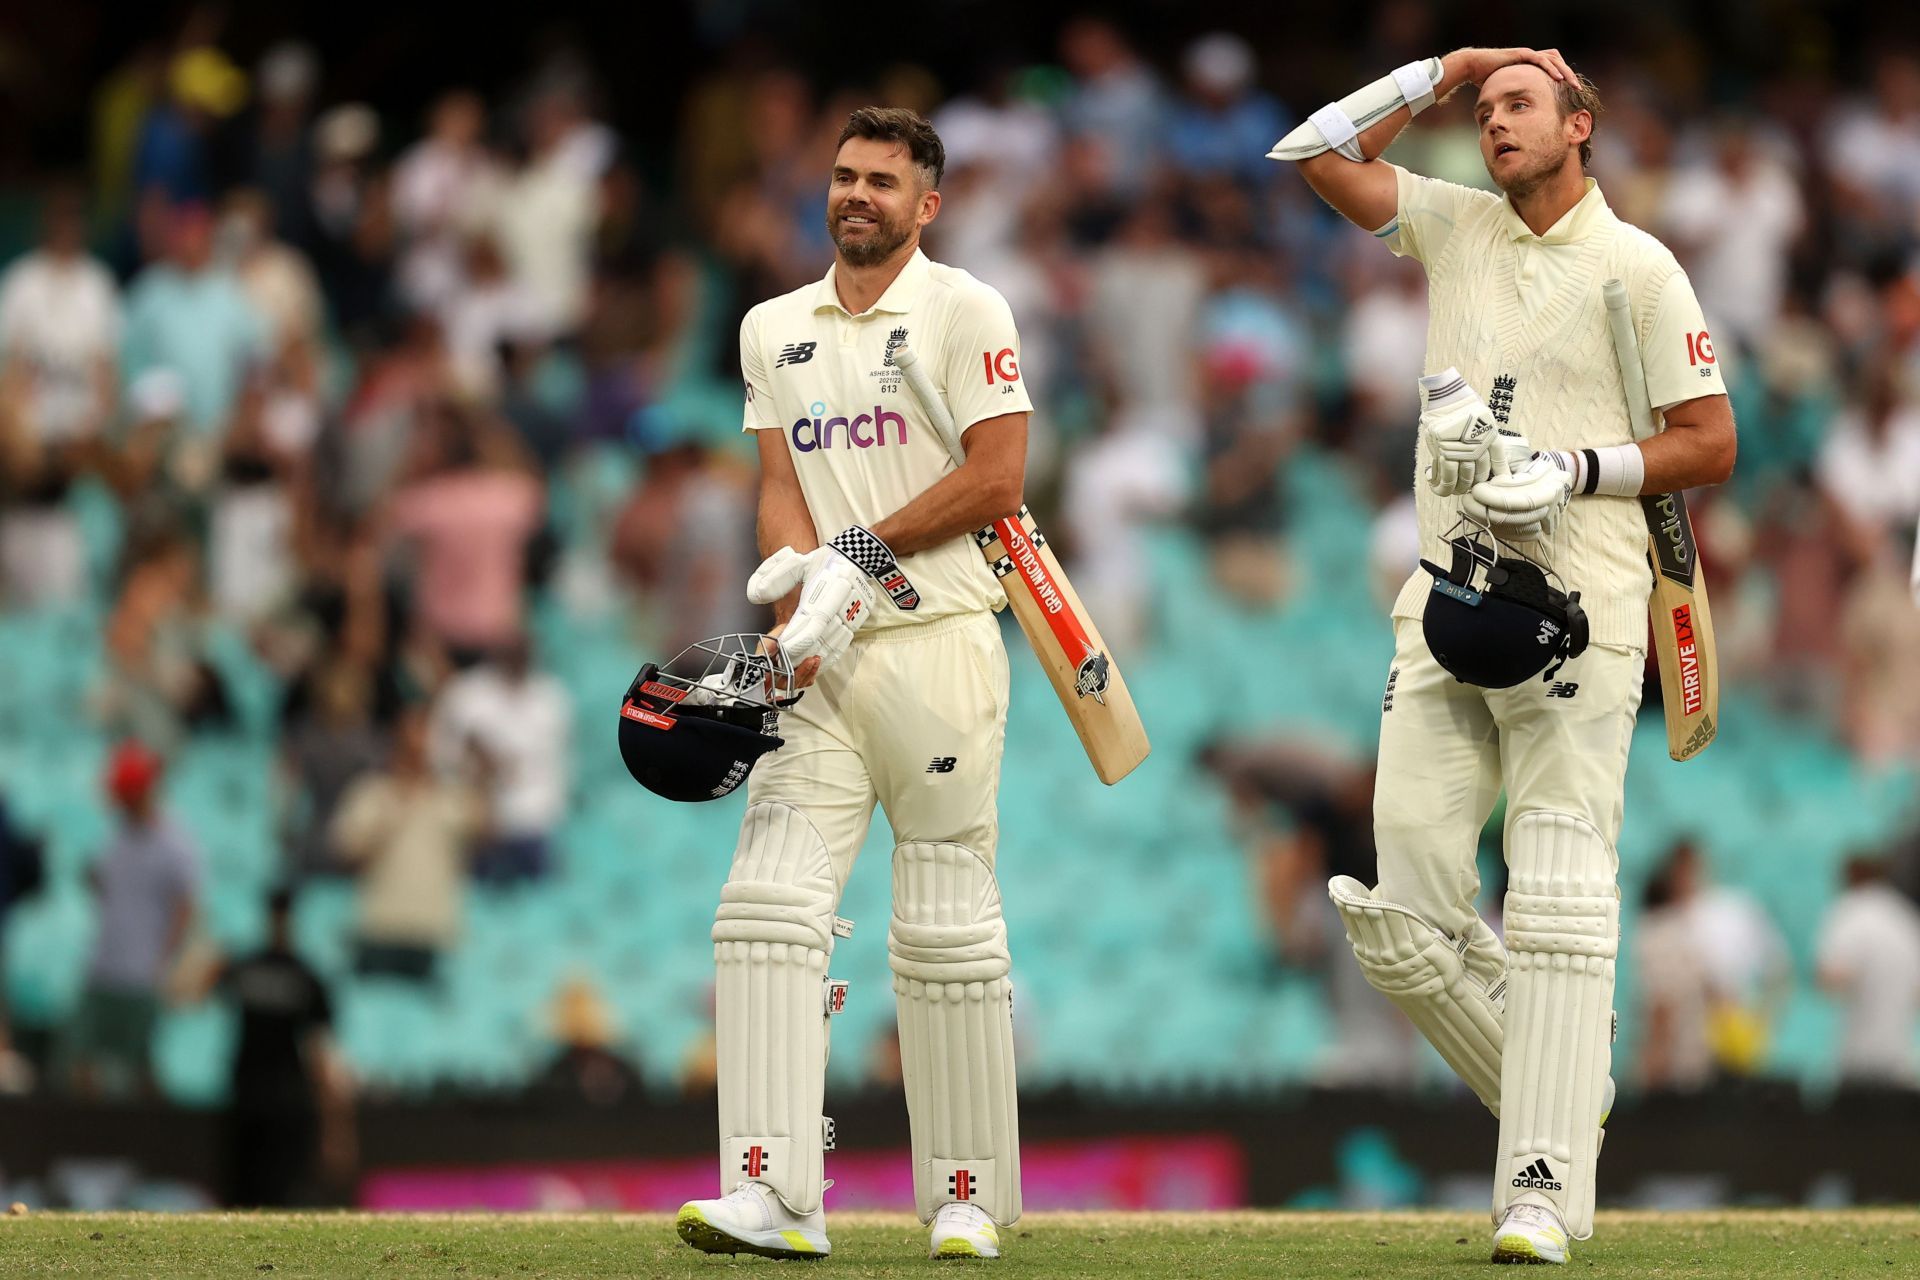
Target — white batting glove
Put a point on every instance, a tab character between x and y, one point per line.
1459	429
1521	503
839	583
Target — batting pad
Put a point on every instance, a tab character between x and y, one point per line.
772	936
1563	933
1450	989
948	948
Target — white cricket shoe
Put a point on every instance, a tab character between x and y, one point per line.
753	1219
964	1231
1531	1232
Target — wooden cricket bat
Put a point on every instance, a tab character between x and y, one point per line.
1075	658
1682	625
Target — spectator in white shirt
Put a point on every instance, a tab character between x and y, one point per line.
1738	264
1869	961
59	338
1869	465
545	215
439	184
505	728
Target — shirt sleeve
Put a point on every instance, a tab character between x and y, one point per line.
1678	354
757	414
1427	213
981	360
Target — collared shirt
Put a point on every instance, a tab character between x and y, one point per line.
863	449
1678	353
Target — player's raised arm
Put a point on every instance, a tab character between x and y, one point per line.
1338	147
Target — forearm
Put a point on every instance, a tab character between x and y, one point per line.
1376	138
784	521
1688	454
1683	459
958	503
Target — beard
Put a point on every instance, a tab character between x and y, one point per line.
876	247
1528	177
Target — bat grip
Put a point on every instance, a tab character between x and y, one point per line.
1626	351
908	362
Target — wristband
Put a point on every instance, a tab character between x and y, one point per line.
875	559
1614	471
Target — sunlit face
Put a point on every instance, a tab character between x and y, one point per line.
876	201
1523	140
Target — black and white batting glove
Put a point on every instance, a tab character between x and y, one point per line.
840	585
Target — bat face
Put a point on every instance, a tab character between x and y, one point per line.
1682	627
1085	678
1064	639
1674	555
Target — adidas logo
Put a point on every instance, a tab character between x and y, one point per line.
1537	1177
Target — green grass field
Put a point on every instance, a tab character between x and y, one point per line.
1274	1246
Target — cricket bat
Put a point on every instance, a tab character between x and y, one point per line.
1075	658
1682	626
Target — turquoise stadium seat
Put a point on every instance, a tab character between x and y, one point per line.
1137	940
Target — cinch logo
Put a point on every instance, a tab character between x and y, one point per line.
863	432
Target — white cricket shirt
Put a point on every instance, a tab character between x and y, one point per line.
825	379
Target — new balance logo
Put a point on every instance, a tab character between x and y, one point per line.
962	1184
1537	1177
795	353
1563	689
942	764
755	1162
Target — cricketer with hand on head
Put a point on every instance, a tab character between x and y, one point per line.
1548	461
882	604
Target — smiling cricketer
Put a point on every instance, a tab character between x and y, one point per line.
883	603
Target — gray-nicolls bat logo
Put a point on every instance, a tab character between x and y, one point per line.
1092	676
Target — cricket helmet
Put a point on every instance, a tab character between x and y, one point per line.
1496	620
693	728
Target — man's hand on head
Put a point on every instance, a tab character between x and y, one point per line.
1473	66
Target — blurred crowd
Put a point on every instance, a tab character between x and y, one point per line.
323	363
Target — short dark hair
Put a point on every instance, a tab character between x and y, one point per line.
903	125
1578	94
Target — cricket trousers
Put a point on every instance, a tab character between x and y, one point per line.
913	719
1558	747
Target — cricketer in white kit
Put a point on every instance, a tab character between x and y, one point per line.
1516	313
885	606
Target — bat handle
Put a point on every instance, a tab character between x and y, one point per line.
908	362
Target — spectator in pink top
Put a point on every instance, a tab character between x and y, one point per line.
467	517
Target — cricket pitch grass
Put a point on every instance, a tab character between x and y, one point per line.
1751	1244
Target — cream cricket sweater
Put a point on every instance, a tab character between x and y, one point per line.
1522	318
